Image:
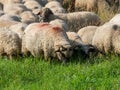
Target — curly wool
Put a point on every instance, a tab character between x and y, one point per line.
10	43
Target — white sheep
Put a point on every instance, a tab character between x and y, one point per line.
14	9
115	19
28	17
10	1
10	43
7	23
1	13
32	5
48	40
60	23
75	20
107	38
10	17
55	6
87	33
19	29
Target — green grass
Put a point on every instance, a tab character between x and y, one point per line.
100	73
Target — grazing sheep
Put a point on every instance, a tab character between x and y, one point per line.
10	1
1	6
115	19
28	17
7	23
14	9
48	40
60	23
75	20
19	29
87	33
107	38
55	7
89	5
10	43
32	4
10	17
79	46
1	13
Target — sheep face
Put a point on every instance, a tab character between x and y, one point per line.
44	15
63	53
89	50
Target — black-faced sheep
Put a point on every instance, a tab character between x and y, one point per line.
79	47
75	20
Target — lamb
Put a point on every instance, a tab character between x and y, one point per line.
14	9
115	19
79	46
55	6
87	33
48	40
28	17
60	23
75	20
10	44
19	29
107	38
89	5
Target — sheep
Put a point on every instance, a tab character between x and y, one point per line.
7	23
79	46
60	23
1	13
55	6
1	6
115	19
106	38
41	2
28	17
87	33
75	20
10	1
32	4
10	44
10	17
48	40
89	5
19	29
14	9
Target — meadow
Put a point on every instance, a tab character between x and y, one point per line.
28	73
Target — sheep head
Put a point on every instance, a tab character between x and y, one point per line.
63	53
86	50
44	14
